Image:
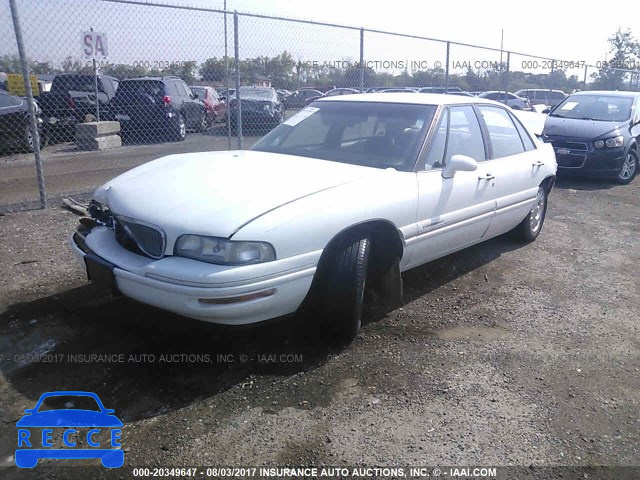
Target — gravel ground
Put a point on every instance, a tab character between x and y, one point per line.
503	354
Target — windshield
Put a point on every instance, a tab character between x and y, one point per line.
607	108
373	134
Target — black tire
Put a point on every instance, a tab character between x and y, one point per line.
529	229
629	168
344	292
179	131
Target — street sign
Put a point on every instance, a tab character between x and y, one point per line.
15	84
94	45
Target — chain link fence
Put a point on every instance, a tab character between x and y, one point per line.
106	74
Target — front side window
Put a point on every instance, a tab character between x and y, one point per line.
373	134
465	136
435	155
504	137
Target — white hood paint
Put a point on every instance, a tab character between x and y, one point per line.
215	193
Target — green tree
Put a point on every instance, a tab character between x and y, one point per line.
625	50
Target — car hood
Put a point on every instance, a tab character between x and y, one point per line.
216	193
69	418
577	128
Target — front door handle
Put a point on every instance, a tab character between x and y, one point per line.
487	176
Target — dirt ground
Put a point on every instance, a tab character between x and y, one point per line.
503	354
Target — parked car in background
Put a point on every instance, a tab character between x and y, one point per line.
298	222
334	92
541	96
215	108
15	123
596	133
440	90
261	109
152	106
282	94
299	98
513	101
224	93
398	90
70	99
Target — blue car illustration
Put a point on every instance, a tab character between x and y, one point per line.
31	448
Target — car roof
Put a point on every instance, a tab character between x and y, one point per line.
410	98
610	93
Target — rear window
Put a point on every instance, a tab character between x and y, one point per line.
154	88
77	83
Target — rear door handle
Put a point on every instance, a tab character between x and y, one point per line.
487	176
538	163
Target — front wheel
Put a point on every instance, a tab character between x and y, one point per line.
345	284
529	229
629	168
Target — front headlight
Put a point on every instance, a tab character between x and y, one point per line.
598	143
222	251
614	142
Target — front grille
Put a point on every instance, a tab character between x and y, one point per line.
570	160
148	239
570	145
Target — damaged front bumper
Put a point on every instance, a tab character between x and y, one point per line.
230	295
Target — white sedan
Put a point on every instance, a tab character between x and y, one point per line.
348	192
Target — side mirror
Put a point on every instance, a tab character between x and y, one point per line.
546	110
461	163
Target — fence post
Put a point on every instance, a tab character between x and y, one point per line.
506	74
361	60
584	81
35	135
446	69
237	75
226	76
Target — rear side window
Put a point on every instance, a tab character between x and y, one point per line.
505	139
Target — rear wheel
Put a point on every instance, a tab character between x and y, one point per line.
203	123
529	229
27	139
179	132
629	168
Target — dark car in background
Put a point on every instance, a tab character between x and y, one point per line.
596	133
216	109
152	106
298	99
71	98
15	124
261	109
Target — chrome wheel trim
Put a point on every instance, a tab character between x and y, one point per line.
628	167
183	128
536	216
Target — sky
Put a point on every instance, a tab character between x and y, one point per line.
150	35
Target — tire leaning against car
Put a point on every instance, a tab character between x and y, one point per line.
344	286
629	168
